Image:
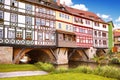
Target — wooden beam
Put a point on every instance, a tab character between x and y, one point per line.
18	55
53	53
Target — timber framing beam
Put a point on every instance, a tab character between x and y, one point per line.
73	51
85	53
53	53
17	58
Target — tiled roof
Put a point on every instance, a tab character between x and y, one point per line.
85	14
116	32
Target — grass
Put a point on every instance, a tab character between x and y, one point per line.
15	67
62	76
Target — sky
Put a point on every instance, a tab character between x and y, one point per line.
108	10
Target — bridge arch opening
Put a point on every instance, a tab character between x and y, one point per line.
37	55
75	56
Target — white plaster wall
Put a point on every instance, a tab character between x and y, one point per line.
6	32
100	27
7	2
23	34
22	6
6	16
33	21
21	19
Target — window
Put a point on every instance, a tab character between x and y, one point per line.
52	24
1	33
40	36
28	7
54	13
59	25
63	15
88	22
96	42
99	33
44	10
28	35
28	20
76	19
80	20
100	42
47	23
104	42
66	27
78	40
68	16
13	17
19	34
104	34
11	34
51	12
1	1
43	22
40	10
38	21
1	14
119	39
89	31
77	29
96	23
48	11
47	36
53	36
95	32
104	26
60	14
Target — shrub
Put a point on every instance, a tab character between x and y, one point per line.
107	71
45	66
83	69
114	60
61	70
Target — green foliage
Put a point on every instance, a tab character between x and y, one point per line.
115	60
107	71
61	70
45	66
16	67
83	69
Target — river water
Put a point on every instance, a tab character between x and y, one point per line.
74	64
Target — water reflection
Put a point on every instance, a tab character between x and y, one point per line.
74	64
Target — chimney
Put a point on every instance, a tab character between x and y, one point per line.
64	4
58	2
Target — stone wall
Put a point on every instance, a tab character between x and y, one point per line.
6	55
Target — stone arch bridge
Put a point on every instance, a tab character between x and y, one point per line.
52	55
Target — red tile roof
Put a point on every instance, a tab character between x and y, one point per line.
85	14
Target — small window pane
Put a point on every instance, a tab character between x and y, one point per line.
11	34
